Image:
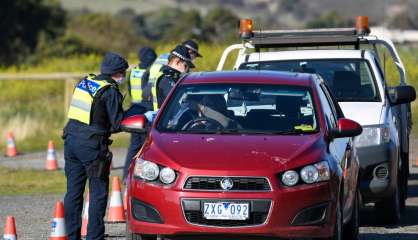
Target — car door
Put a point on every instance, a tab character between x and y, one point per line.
344	149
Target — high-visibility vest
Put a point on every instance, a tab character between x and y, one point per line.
135	80
84	93
154	74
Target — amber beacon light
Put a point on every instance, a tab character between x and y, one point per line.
246	28
362	25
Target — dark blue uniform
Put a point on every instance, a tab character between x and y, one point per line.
170	75
166	82
87	156
147	56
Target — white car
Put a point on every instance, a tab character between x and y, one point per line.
350	67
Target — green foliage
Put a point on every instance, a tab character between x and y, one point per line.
404	20
23	182
220	25
67	45
104	32
330	19
176	25
22	22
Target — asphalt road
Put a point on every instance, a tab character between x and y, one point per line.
33	213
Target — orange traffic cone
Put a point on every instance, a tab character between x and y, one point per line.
10	229
58	231
416	163
85	216
11	145
125	199
51	157
116	213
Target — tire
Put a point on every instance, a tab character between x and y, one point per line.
388	210
351	228
403	193
404	177
132	236
338	229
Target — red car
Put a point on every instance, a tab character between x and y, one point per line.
245	154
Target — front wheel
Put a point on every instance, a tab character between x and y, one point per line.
351	228
404	180
338	227
388	210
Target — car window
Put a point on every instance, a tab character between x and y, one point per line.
330	101
329	114
349	79
240	108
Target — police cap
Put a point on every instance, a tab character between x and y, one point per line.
192	45
113	63
147	56
183	53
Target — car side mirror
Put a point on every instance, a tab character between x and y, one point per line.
401	94
134	123
346	128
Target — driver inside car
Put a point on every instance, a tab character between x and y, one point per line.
203	112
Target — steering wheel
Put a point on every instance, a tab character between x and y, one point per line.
202	123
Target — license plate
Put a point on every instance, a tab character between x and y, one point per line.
225	211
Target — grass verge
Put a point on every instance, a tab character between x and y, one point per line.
15	182
26	182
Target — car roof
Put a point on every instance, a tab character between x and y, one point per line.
250	76
305	54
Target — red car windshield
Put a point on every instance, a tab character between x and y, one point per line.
240	109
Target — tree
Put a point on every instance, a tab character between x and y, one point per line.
404	20
22	23
104	32
220	25
330	19
188	25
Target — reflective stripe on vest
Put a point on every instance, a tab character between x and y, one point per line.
86	89
136	84
154	74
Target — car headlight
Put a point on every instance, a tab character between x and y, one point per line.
167	175
309	174
150	171
312	173
323	171
146	170
373	135
290	178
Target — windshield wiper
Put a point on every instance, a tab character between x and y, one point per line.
296	132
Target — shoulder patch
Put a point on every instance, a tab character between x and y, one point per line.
137	74
88	86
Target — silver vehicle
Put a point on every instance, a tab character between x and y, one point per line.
348	61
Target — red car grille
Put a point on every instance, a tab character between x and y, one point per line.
240	183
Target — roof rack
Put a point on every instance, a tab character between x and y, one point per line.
306	37
310	37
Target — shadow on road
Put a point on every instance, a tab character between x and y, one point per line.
409	217
391	236
413	191
413	176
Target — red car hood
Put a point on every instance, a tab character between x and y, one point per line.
233	152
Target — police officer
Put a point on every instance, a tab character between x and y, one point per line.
142	98
155	73
179	62
193	48
95	113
